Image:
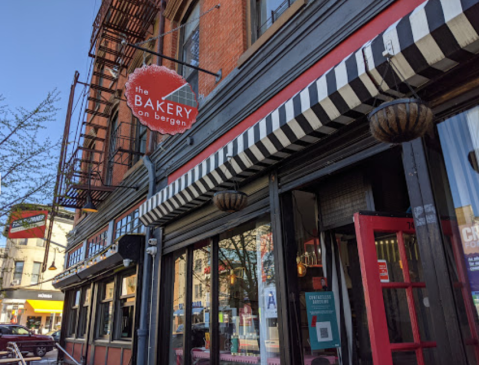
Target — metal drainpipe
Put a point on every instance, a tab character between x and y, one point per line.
147	275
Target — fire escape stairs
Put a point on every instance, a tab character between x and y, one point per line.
98	146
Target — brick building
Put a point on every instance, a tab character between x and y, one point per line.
349	250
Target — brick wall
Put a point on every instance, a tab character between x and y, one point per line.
223	38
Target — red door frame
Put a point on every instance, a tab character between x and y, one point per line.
381	348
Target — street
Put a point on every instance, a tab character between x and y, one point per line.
49	359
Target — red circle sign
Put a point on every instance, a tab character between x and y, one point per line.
161	99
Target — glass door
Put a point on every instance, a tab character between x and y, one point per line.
396	297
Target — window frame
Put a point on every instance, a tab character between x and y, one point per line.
128	221
166	294
118	303
73	307
39	265
114	123
20	273
140	131
83	311
101	304
194	74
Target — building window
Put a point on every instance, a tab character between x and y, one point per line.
198	291
265	13
35	278
198	265
22	241
74	305
106	309
129	224
126	313
18	273
191	47
85	306
76	256
140	140
40	242
97	243
113	140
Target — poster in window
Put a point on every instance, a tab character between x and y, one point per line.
322	320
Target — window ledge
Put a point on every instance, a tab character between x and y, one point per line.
288	14
114	343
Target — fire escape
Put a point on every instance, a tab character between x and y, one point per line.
99	140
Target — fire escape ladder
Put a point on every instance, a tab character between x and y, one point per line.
100	143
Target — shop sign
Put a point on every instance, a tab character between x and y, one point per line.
323	325
28	224
470	244
383	271
161	99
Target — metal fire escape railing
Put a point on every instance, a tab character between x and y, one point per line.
86	156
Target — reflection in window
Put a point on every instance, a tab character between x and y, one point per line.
72	319
200	316
268	11
178	308
248	320
106	309
191	47
456	182
18	273
140	141
129	224
85	305
127	307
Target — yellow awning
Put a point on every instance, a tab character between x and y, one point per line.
46	306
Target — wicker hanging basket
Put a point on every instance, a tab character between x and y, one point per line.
230	200
400	120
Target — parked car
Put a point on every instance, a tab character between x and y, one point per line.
21	335
55	335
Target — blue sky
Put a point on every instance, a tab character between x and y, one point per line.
42	43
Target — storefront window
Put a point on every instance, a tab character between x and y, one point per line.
200	313
178	308
34	323
74	304
106	309
126	313
84	308
455	178
248	317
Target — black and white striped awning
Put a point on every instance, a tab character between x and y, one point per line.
435	37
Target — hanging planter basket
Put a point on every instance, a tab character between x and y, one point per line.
400	120
230	200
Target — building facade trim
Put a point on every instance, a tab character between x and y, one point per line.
428	42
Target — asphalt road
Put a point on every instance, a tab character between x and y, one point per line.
49	359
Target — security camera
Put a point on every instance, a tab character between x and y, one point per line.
152	241
127	262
